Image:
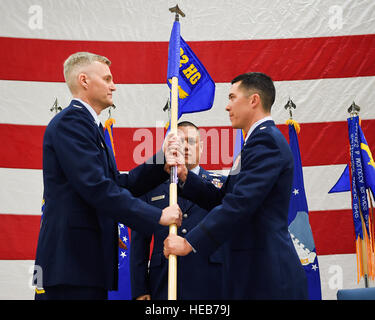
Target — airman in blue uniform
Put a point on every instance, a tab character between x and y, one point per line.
199	277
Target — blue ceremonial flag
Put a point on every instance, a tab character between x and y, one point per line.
359	176
368	163
174	51
299	225
124	291
196	89
238	143
362	178
343	184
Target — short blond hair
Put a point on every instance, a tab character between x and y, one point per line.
77	60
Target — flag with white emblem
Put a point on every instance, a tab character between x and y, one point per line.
298	221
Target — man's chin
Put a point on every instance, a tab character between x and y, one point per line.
234	125
108	104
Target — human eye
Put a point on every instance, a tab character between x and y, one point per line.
191	141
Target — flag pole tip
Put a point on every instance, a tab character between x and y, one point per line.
289	105
354	109
178	11
167	106
55	107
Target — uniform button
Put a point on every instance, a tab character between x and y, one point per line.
184	231
185	215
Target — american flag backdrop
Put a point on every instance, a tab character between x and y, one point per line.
321	54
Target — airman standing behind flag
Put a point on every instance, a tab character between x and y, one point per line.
199	277
250	212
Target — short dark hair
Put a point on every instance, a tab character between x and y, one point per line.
187	124
262	83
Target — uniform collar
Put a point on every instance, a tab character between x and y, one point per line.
196	170
90	109
259	122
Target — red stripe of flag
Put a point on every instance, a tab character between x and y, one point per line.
333	234
323	143
146	62
333	231
18	236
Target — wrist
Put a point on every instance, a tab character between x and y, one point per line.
188	247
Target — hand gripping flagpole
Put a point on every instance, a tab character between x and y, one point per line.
172	260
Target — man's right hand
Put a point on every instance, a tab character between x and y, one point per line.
171	215
144	297
174	155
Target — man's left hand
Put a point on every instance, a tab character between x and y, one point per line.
176	245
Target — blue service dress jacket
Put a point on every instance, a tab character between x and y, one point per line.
198	277
85	197
250	213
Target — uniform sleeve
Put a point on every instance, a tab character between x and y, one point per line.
260	168
81	159
201	192
144	177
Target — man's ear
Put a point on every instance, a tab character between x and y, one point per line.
83	80
255	99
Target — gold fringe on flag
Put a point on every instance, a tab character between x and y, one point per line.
295	124
166	126
108	123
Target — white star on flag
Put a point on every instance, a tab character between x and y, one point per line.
295	191
123	254
314	267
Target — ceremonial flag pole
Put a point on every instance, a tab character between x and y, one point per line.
173	72
362	177
298	215
358	176
192	90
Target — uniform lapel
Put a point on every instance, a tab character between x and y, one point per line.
236	168
110	156
103	145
